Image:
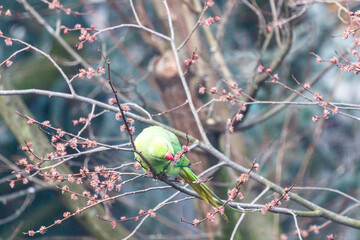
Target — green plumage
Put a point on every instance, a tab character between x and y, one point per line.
154	142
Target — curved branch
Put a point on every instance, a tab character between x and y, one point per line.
317	211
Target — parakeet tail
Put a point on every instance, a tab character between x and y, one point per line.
204	192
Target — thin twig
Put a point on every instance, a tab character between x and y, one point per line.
296	224
28	200
193	30
14	54
39	51
330	190
243	214
183	80
127	124
170	110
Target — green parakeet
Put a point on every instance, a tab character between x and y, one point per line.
159	146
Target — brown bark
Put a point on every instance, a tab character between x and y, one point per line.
168	83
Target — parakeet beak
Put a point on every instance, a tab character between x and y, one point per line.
169	156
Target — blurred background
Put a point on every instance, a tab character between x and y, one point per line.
289	146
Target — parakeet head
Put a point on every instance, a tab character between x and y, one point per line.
161	148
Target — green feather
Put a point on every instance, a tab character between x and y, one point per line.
201	189
154	142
